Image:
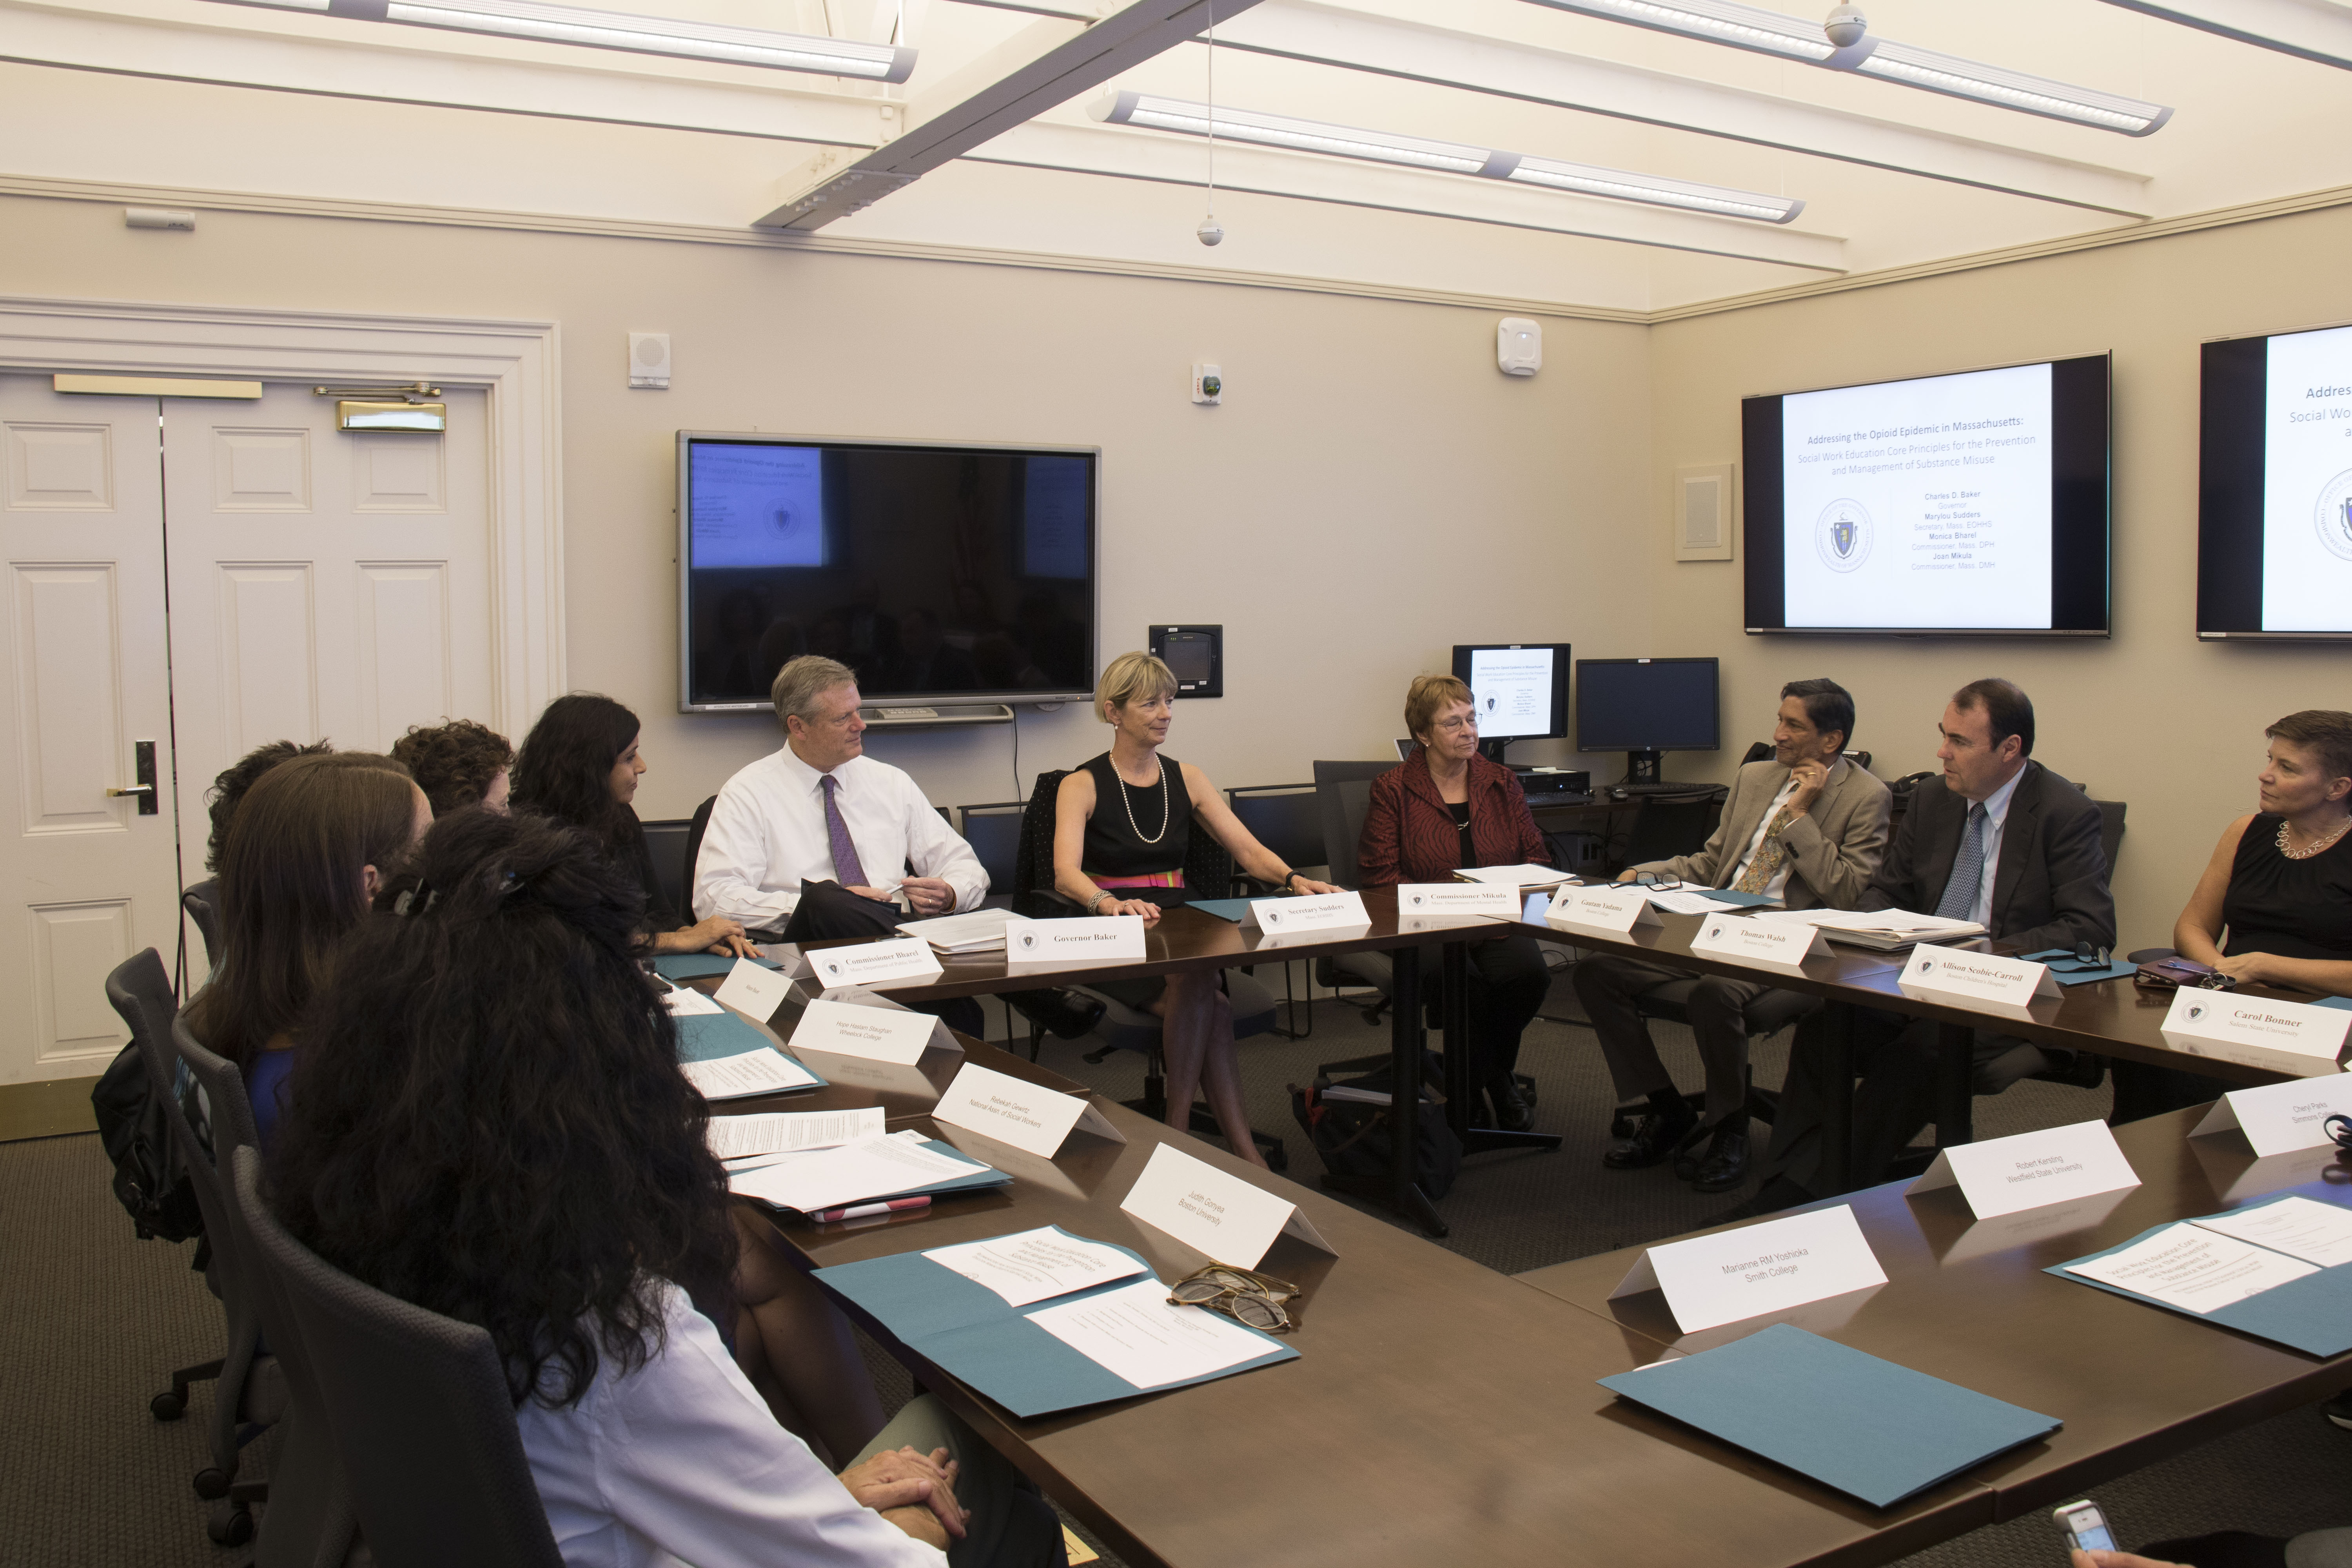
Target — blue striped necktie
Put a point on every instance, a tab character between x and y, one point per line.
1968	871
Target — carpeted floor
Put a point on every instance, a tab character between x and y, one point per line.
98	1319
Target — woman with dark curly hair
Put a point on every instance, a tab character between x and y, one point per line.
580	764
503	1137
458	764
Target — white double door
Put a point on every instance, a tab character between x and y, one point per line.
201	577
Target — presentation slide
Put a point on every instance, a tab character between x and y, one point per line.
1511	688
757	505
1057	498
2307	484
1920	503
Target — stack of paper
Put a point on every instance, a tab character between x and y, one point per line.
1890	931
790	1131
982	930
728	1058
867	1171
1868	1427
1105	1329
1526	876
2280	1270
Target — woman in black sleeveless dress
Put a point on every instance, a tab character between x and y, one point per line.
1121	825
2275	905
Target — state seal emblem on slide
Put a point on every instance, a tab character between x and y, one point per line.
2335	516
1842	537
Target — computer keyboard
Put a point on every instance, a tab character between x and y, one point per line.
1662	788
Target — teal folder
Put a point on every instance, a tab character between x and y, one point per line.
706	1037
698	966
1732	896
2313	1314
966	1329
1867	1427
1224	908
2066	969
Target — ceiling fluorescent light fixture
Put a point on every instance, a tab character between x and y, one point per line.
668	35
1796	38
1157	113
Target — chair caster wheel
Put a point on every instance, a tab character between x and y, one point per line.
211	1482
167	1407
229	1524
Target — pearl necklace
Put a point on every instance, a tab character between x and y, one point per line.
1164	805
2294	854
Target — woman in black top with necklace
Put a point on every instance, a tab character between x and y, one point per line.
1122	823
2275	905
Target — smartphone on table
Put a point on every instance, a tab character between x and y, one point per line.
2084	1526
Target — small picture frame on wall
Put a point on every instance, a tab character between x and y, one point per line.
1706	507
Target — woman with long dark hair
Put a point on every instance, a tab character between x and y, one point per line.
503	1137
308	845
580	764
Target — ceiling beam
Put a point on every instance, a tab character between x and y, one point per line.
1089	149
2319	33
1364	38
1045	65
605	90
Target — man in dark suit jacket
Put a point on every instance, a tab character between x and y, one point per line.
1999	839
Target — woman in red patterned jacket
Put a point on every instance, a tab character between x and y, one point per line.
1444	807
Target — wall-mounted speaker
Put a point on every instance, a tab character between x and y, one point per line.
1703	501
649	360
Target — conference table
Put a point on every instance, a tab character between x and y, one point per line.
1442	1411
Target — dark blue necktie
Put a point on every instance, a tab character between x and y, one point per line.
1968	871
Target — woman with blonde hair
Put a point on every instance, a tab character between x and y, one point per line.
1122	823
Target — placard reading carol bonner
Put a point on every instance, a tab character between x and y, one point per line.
2259	1031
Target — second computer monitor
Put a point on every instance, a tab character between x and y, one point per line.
1646	706
1520	689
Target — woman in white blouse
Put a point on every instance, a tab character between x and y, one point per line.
505	1138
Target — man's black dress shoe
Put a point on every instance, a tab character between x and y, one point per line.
1656	1138
1725	1164
1514	1113
1065	1015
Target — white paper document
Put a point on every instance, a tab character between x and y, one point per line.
1896	921
871	1168
2279	1118
754	990
1135	1334
1218	1215
747	1073
1524	875
1710	1280
2314	1232
2195	1269
790	1131
2055	1165
1683	901
685	1002
1036	1265
1032	1119
841	1026
982	930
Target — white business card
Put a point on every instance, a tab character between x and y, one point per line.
1218	1215
1032	1119
1781	946
2279	1118
1710	1280
2054	1165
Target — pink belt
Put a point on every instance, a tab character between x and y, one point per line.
1155	879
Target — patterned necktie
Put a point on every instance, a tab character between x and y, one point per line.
845	869
1968	871
1766	862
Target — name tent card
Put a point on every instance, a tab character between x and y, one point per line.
1061	945
1710	1280
2280	1118
1784	945
1977	981
2055	1165
1217	1214
754	990
1032	1119
842	1027
2285	1036
1610	911
870	963
1319	911
1457	899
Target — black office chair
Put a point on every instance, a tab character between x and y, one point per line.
1343	792
201	904
416	1411
696	825
1671	824
994	831
1126	1029
673	872
1288	819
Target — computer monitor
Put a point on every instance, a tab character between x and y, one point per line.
1520	689
1643	707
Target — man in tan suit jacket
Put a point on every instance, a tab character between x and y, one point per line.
1808	827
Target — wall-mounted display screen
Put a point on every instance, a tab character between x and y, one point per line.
1520	689
961	573
2274	488
1971	503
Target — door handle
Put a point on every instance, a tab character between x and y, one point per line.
144	792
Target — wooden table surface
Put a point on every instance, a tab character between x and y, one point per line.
1967	1300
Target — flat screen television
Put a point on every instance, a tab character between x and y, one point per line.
1643	707
2275	489
940	573
1969	504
